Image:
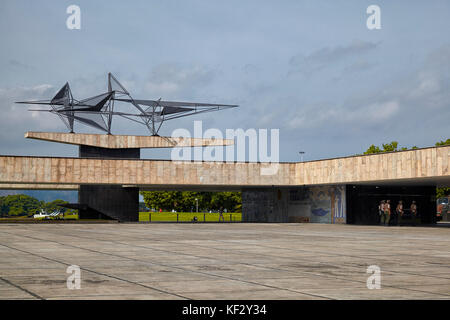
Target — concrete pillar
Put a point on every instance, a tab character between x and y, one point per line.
264	205
108	201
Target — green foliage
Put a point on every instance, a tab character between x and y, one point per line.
3	208
19	205
161	199
443	143
442	192
373	149
228	200
24	205
388	147
54	206
188	216
185	200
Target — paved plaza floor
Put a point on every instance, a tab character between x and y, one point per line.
223	261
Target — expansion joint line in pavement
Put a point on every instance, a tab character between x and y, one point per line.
262	266
163	265
93	271
22	289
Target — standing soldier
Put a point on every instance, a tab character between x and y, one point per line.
221	214
387	212
381	211
399	211
413	211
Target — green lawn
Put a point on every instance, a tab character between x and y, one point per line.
188	216
160	216
67	216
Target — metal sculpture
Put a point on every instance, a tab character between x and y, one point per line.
98	111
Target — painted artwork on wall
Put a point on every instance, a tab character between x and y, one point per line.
339	205
322	204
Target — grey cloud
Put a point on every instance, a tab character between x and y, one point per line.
15	120
175	81
358	66
250	68
20	65
329	56
408	107
16	117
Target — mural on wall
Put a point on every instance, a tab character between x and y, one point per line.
320	199
324	204
339	205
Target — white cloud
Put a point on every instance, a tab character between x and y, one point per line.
16	119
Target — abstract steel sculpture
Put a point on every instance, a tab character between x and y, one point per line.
98	111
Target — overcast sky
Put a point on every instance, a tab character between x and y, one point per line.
309	68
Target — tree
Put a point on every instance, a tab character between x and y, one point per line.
185	201
19	205
54	206
189	203
388	147
226	200
165	200
443	143
3	208
373	149
442	192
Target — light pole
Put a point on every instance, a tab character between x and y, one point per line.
301	155
196	203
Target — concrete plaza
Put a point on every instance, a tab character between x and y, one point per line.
223	261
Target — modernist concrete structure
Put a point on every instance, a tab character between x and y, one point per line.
341	190
109	141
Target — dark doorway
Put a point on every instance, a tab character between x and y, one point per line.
363	201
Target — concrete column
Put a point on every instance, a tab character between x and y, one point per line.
108	201
264	205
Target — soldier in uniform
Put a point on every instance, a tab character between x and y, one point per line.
387	212
413	211
381	211
221	214
399	211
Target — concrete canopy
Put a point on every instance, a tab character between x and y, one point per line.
428	166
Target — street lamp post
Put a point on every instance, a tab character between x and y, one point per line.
196	203
301	155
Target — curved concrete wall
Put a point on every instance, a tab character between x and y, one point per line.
430	164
